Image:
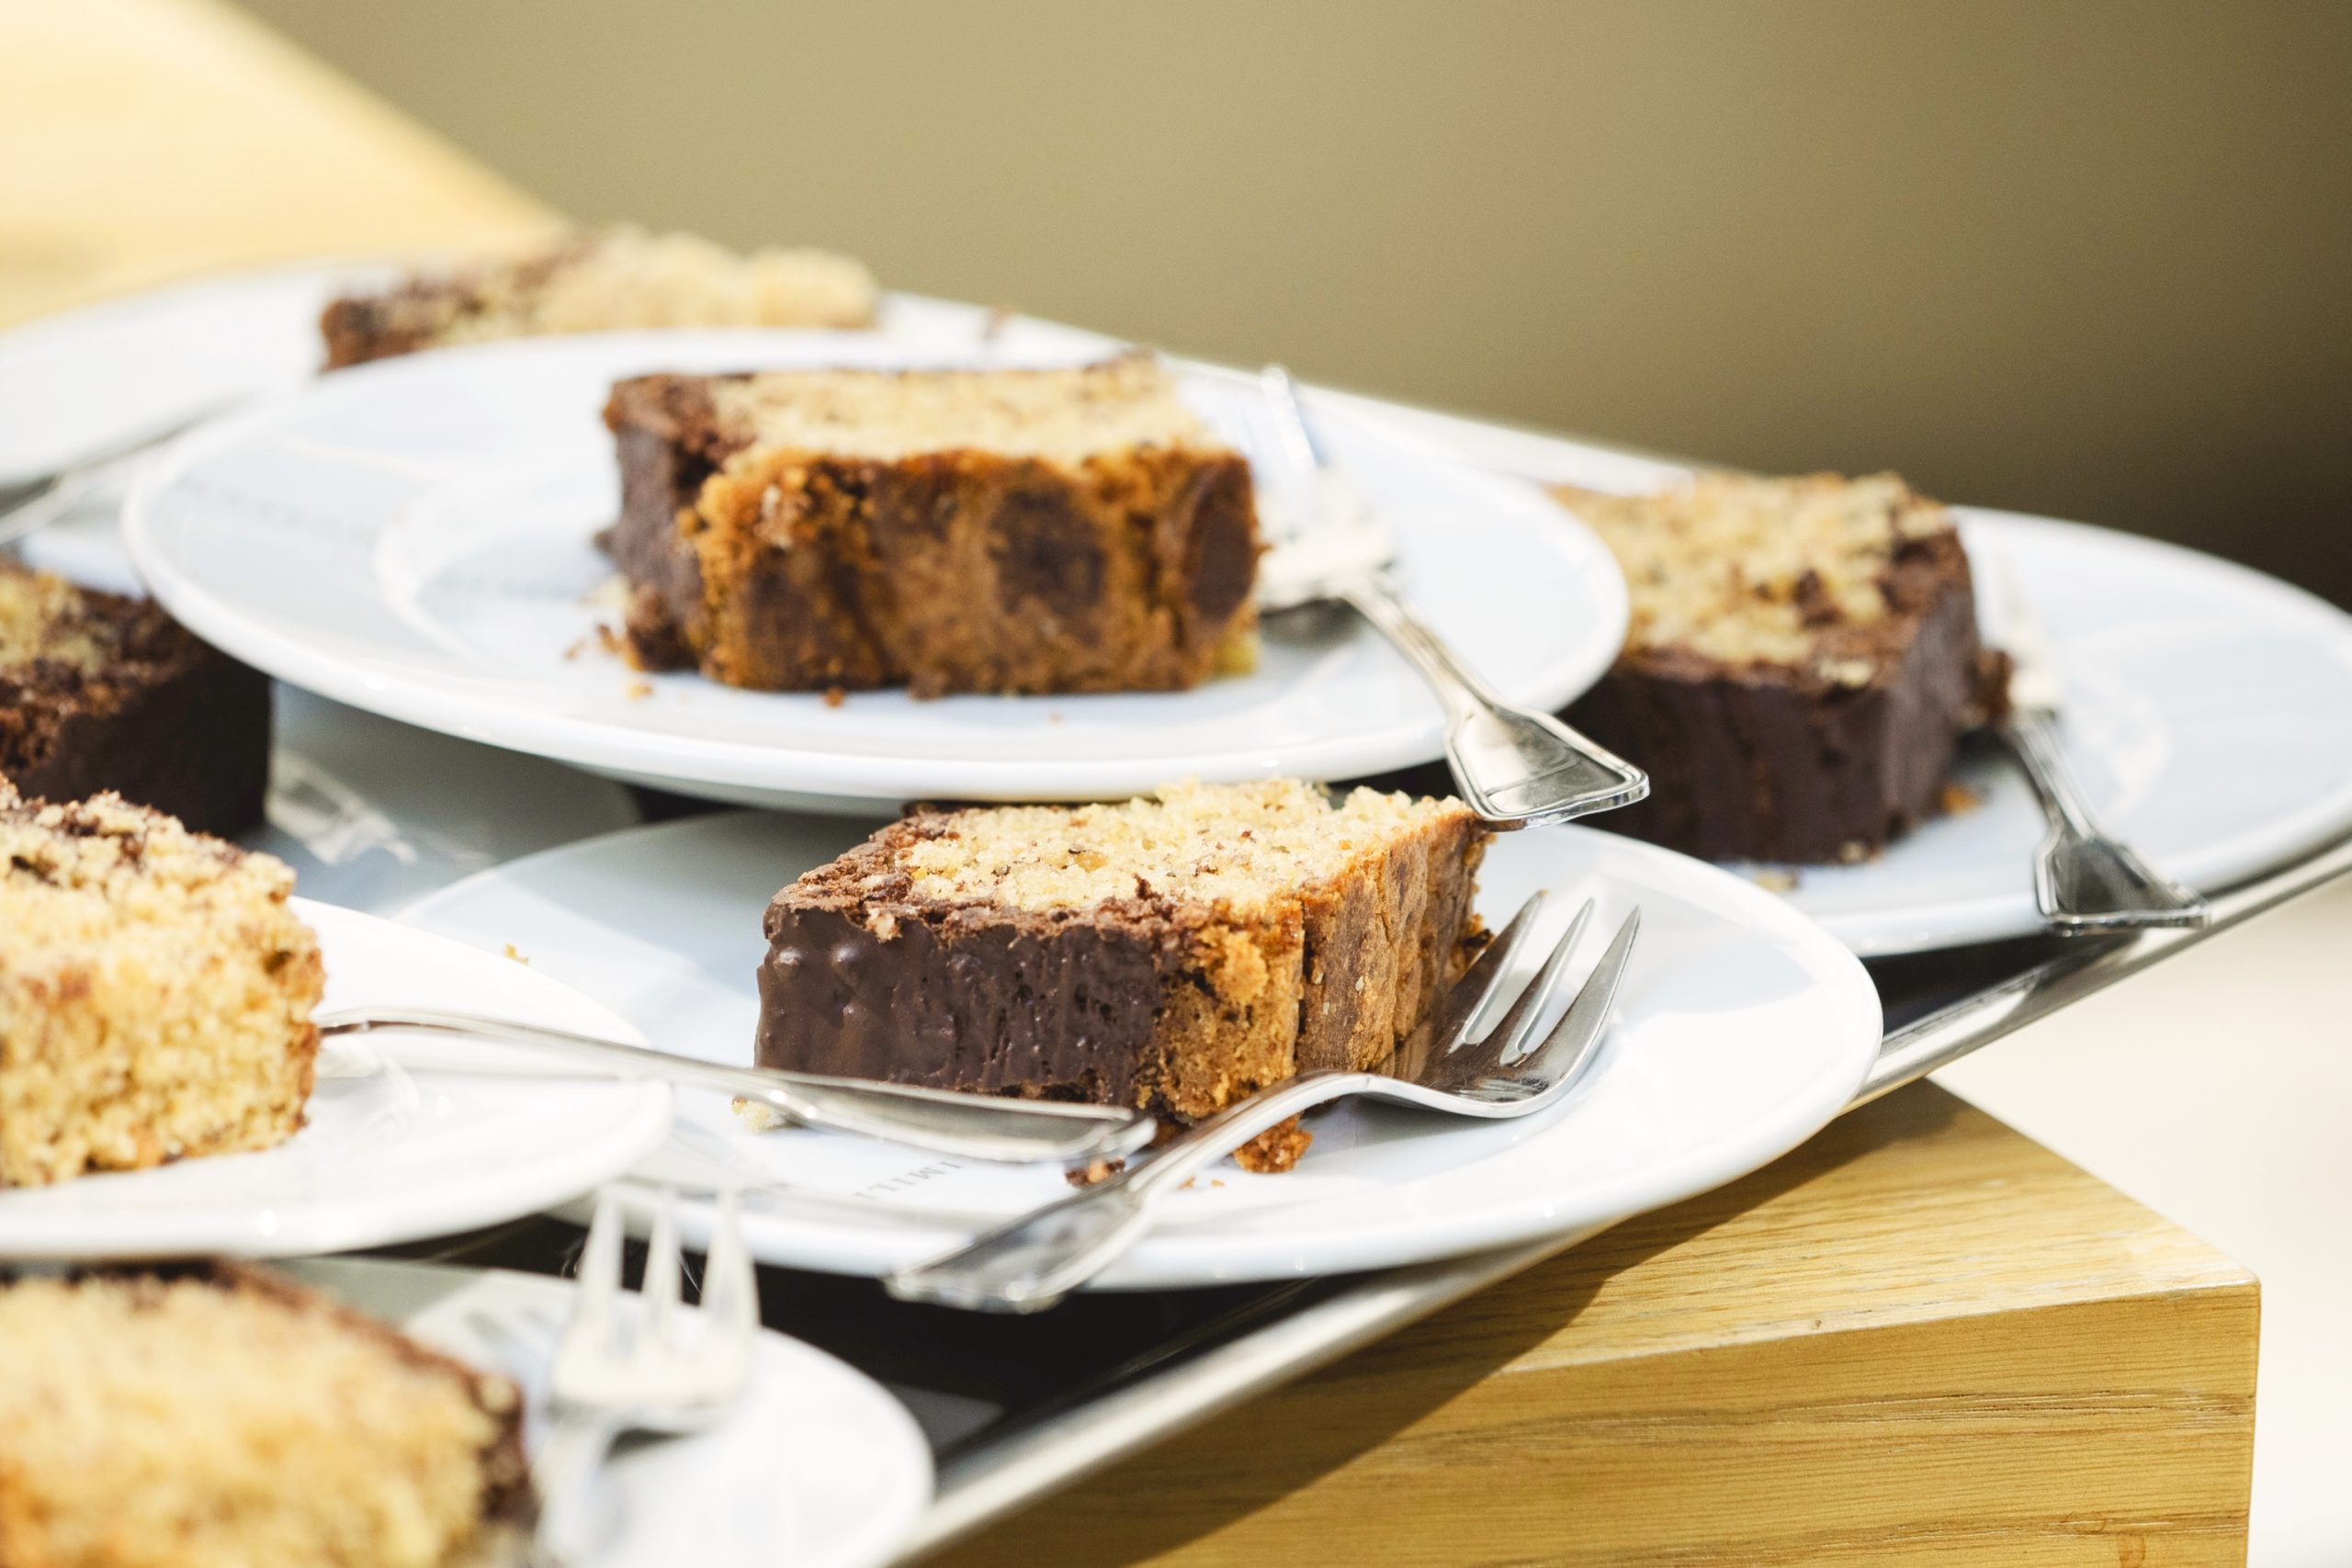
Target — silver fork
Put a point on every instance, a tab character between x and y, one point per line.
675	1370
2084	880
1034	1261
1511	765
975	1127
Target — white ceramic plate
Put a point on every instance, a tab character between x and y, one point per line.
1743	1029
818	1467
415	538
389	1156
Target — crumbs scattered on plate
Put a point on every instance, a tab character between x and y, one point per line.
1958	799
636	691
758	1115
517	953
1774	879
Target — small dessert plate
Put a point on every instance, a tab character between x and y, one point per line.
416	537
389	1156
816	1466
1742	1028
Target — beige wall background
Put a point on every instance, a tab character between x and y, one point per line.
2091	257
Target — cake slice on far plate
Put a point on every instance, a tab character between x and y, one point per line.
1059	530
1801	662
600	281
1176	953
155	993
219	1417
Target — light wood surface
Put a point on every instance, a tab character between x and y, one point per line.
143	140
1921	1340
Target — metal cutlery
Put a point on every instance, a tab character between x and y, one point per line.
27	506
2084	880
673	1370
1033	1261
1511	765
974	1126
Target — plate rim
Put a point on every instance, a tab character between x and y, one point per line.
301	1227
596	743
1196	1255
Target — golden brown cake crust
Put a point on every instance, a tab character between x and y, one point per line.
850	564
1153	971
155	993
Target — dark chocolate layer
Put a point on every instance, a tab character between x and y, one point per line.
166	722
998	1001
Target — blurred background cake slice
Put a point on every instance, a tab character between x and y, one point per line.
1176	953
102	691
155	993
603	280
223	1417
1062	530
1801	662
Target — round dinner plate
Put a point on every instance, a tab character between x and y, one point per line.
415	538
388	1156
1741	1029
816	1466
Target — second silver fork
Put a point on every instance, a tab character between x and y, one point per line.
1034	1261
672	1370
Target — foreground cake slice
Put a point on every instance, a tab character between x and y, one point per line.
1801	659
222	1417
607	280
1074	530
1175	953
155	993
100	691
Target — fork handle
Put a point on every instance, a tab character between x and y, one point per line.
971	1127
1511	765
567	1464
1032	1262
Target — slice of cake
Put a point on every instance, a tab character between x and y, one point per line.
155	993
1071	530
607	280
1174	953
1801	661
99	692
222	1417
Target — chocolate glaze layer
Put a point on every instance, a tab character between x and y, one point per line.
167	722
995	1000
